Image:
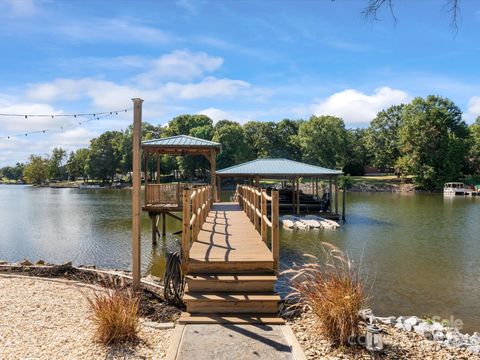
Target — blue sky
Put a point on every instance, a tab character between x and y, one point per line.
240	60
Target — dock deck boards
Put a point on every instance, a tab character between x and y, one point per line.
230	270
228	235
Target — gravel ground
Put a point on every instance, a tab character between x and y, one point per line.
48	319
398	345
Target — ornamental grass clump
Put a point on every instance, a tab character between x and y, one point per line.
331	289
115	315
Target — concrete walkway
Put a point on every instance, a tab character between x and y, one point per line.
232	341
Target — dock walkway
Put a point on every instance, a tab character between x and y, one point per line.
230	272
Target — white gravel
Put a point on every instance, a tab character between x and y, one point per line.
48	319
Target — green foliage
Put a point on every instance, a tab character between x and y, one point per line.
434	141
12	172
77	164
55	164
36	170
323	140
475	146
105	158
356	156
345	182
234	146
273	140
382	137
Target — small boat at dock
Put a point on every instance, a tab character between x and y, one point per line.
460	189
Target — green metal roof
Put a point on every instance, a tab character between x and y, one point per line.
181	140
277	168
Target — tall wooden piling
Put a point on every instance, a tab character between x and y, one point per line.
136	189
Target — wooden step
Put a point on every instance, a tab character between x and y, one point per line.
231	302
271	319
196	266
230	283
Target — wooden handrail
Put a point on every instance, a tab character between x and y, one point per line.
254	203
196	205
163	193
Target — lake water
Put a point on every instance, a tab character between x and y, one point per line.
421	251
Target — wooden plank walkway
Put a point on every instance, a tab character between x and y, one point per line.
228	235
230	271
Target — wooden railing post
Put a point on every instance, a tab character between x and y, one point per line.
275	230
186	228
255	215
263	226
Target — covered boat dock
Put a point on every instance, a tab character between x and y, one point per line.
312	198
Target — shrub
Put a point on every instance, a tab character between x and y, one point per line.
115	315
332	290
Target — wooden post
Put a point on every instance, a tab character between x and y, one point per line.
336	194
275	231
158	168
136	190
185	228
255	215
213	170
164	224
316	186
153	219
293	195
145	157
263	227
343	202
298	196
219	189
330	192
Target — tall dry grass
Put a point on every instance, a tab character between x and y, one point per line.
115	315
331	288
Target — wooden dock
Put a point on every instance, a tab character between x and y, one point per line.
230	270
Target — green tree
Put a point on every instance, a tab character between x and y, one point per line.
77	164
382	137
235	149
287	133
56	169
36	170
356	154
105	158
184	124
323	140
12	172
475	145
434	141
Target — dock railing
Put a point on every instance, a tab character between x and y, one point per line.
254	202
196	203
163	193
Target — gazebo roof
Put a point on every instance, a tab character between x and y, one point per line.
276	168
181	140
180	144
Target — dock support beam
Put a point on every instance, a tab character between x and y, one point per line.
136	189
336	195
164	224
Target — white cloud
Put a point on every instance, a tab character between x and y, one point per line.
181	64
117	30
357	107
20	8
209	87
474	107
216	114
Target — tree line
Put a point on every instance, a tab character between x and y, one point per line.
426	138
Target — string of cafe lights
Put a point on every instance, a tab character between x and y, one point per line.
79	119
